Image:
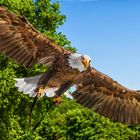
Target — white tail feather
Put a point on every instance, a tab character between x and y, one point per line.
50	92
32	94
68	94
27	85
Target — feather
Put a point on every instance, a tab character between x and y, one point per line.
27	85
107	97
68	94
50	92
75	61
15	31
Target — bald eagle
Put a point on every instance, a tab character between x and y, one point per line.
95	90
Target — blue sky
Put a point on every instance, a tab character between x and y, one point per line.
109	32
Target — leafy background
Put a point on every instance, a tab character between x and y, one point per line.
68	121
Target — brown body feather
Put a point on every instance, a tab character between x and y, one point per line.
63	73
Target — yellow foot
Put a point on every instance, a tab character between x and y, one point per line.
40	91
57	100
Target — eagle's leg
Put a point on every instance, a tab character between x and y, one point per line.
63	88
40	89
46	77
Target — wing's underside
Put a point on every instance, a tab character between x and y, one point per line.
108	98
20	41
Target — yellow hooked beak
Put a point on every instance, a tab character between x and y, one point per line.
85	62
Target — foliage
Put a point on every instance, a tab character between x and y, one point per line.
67	121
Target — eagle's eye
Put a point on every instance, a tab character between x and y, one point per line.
89	62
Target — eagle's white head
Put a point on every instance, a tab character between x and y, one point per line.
81	62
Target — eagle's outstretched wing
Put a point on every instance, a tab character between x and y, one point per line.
105	96
20	41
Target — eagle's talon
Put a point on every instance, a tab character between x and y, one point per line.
40	91
57	100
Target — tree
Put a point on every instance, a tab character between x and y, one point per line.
67	121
